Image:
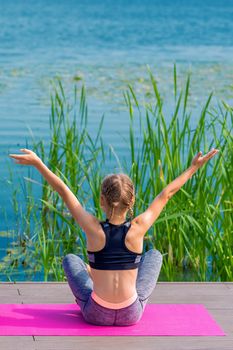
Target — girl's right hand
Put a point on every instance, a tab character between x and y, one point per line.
200	160
28	158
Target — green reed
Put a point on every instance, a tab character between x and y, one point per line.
194	230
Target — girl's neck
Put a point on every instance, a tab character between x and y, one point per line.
117	219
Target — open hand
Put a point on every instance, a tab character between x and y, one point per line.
200	160
29	158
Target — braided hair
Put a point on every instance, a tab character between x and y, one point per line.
118	190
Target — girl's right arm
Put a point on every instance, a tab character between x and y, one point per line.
145	220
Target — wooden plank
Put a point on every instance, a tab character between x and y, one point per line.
198	288
8	289
134	343
17	343
229	285
164	289
46	293
212	296
11	299
217	301
10	292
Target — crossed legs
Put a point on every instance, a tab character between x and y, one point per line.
78	275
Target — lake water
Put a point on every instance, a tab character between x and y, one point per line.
108	44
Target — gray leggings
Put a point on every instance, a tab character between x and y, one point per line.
81	285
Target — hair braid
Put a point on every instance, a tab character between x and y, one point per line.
118	191
131	213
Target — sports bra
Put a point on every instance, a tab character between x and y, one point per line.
115	255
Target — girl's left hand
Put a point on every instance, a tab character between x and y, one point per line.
200	160
29	158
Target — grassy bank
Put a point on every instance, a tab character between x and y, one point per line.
194	230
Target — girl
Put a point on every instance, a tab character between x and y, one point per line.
115	287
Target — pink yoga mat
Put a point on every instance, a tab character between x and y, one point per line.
66	319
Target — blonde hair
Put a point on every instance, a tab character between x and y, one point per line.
118	190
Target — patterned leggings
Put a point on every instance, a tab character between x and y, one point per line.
81	285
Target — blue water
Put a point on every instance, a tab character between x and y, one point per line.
107	43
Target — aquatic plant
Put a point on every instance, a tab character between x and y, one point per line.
194	230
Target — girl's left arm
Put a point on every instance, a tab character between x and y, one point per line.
87	221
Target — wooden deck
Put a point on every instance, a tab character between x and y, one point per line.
216	296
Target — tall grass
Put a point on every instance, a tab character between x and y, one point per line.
194	230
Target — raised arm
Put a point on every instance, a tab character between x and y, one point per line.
148	217
30	158
87	221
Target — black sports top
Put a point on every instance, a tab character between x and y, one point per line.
115	255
